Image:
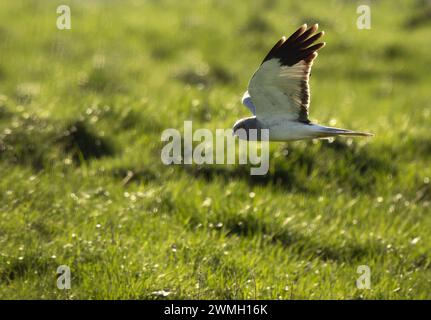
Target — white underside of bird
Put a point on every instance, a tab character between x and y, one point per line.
278	94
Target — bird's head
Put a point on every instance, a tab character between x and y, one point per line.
243	129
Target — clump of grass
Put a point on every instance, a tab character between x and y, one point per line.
5	113
14	268
420	18
303	167
396	51
102	77
98	80
27	142
122	119
141	175
204	75
256	24
26	92
83	143
38	142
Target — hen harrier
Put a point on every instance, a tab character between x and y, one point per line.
278	94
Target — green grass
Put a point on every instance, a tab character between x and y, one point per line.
82	184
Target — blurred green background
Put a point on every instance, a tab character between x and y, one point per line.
82	184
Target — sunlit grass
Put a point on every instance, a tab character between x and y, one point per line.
82	184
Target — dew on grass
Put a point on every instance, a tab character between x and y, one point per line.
398	197
161	293
288	220
207	202
25	92
415	240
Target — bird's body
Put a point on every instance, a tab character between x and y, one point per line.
293	130
278	94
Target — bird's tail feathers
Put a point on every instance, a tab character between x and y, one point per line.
326	132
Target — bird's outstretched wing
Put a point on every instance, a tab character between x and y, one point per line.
279	88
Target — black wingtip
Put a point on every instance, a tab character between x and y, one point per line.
299	46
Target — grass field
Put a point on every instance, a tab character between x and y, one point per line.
82	183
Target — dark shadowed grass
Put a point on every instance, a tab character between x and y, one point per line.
303	168
82	144
421	16
38	142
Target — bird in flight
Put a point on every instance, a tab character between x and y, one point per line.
278	93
